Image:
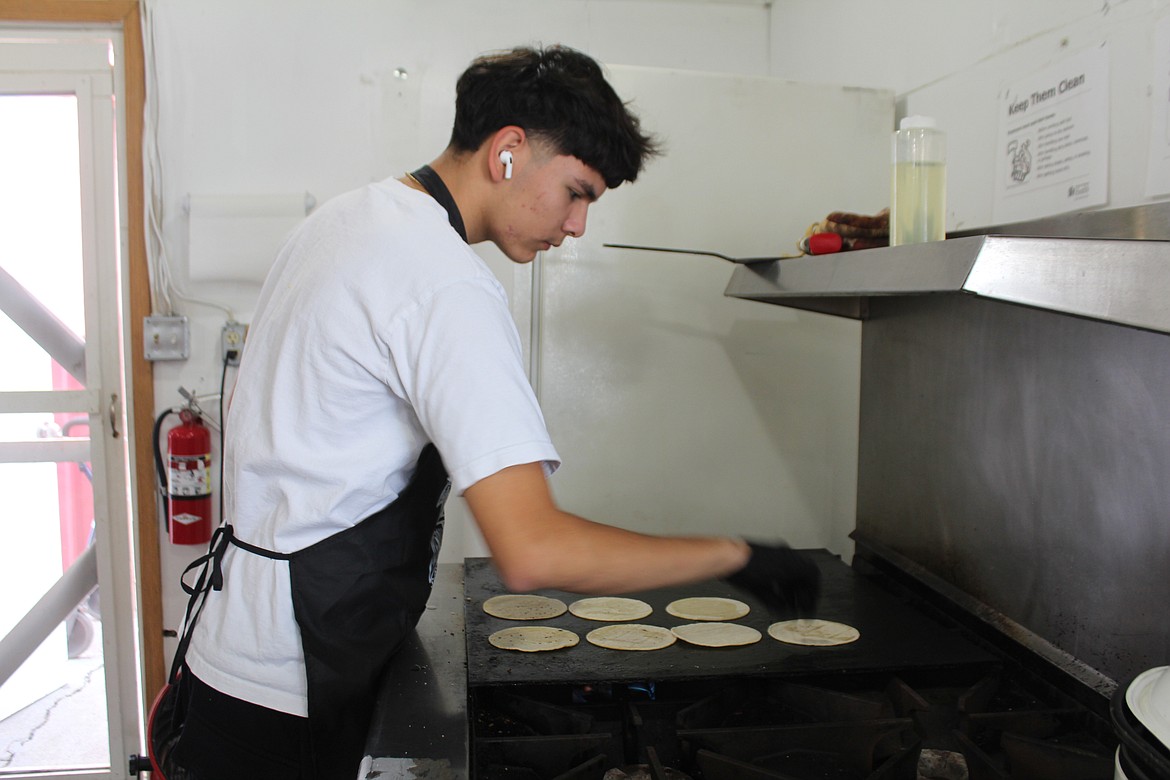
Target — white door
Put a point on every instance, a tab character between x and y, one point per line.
69	691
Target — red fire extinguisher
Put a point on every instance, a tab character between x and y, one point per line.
189	480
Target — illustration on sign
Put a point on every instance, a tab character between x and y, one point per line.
1021	160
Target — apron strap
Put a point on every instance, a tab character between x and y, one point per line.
276	556
434	185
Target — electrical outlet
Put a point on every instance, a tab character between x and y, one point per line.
166	338
233	342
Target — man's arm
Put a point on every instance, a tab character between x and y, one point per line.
534	544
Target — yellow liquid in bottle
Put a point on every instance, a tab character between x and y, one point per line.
919	203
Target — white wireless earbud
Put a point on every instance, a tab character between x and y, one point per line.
506	160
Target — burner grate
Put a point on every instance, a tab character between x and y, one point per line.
968	724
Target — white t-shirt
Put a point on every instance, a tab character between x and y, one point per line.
378	330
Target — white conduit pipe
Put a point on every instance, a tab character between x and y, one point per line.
42	326
58	601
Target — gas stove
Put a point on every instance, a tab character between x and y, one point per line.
981	723
919	695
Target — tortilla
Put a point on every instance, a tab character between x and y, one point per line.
812	632
631	636
610	609
708	608
533	639
519	607
717	634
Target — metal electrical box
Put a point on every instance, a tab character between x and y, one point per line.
166	338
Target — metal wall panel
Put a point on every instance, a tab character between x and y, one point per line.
1024	456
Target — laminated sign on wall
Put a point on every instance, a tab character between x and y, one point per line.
1053	141
1158	178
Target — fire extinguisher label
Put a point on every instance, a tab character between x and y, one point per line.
187	519
189	477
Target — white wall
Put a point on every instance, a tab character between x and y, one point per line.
285	96
951	58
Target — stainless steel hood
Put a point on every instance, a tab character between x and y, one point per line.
1077	265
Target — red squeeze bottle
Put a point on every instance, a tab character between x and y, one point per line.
824	243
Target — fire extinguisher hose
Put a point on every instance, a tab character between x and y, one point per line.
159	468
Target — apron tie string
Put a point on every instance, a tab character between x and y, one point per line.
210	566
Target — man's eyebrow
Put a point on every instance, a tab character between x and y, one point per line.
587	188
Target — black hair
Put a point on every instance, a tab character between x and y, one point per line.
560	97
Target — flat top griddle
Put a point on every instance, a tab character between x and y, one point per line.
893	636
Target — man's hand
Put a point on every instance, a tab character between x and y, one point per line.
782	577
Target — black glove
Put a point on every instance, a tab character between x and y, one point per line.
783	578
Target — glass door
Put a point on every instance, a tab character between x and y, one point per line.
68	652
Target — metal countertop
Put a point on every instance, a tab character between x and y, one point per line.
1103	265
420	722
1109	280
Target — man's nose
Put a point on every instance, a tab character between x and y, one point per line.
575	224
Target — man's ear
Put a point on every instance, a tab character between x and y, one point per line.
506	152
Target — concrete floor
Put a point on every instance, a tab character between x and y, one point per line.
67	728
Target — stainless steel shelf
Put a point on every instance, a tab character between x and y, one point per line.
1115	280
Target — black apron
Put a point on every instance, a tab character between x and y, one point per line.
356	596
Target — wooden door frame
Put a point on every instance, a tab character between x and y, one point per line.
126	15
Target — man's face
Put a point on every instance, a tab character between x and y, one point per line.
545	201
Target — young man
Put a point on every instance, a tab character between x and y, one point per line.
383	361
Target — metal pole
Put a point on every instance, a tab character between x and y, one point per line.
42	326
61	599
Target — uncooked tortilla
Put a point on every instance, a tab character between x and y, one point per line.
631	636
717	634
819	633
708	608
521	607
610	609
533	639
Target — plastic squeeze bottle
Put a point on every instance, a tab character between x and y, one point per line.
918	185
